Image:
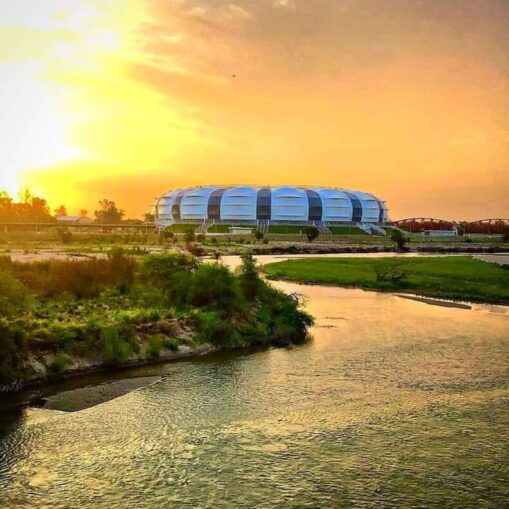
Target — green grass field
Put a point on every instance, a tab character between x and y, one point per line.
287	228
183	227
218	228
346	230
451	277
299	229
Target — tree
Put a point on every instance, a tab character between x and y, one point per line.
312	233
167	234
400	239
61	211
5	207
83	213
505	235
108	213
249	274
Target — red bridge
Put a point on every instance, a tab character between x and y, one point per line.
417	224
487	226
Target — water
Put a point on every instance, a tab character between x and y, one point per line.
394	403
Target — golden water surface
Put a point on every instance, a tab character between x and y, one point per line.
394	403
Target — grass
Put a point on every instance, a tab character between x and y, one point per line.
346	230
116	309
183	227
452	277
287	228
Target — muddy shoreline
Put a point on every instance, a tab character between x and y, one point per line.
92	368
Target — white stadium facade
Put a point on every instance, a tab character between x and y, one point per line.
252	205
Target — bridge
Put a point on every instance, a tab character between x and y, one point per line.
417	224
487	226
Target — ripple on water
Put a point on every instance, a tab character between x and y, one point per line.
400	404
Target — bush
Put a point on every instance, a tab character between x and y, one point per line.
14	297
213	286
167	234
81	279
59	363
189	236
258	234
171	274
13	350
249	276
65	235
172	344
312	233
195	249
211	327
390	273
155	344
400	239
113	348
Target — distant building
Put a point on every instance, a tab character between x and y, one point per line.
440	233
239	230
72	220
258	206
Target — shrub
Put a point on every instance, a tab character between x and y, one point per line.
172	344
189	236
312	233
390	273
249	276
155	344
211	327
112	347
214	286
258	234
288	322
79	278
171	274
195	249
65	235
13	350
14	297
505	235
167	234
400	239
59	363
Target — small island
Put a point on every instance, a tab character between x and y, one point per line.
445	277
63	317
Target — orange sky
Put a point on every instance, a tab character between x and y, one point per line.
125	99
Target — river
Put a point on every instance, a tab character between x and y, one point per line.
394	403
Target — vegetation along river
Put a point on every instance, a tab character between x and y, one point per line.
394	403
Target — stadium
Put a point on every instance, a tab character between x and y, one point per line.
263	206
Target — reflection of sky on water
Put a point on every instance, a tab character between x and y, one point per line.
395	402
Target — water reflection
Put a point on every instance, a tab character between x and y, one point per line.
394	403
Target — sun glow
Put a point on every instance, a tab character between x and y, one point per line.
124	98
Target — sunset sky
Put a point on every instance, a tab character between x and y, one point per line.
125	99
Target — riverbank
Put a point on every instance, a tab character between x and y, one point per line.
457	278
60	318
277	245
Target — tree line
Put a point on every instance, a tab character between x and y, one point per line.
33	209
